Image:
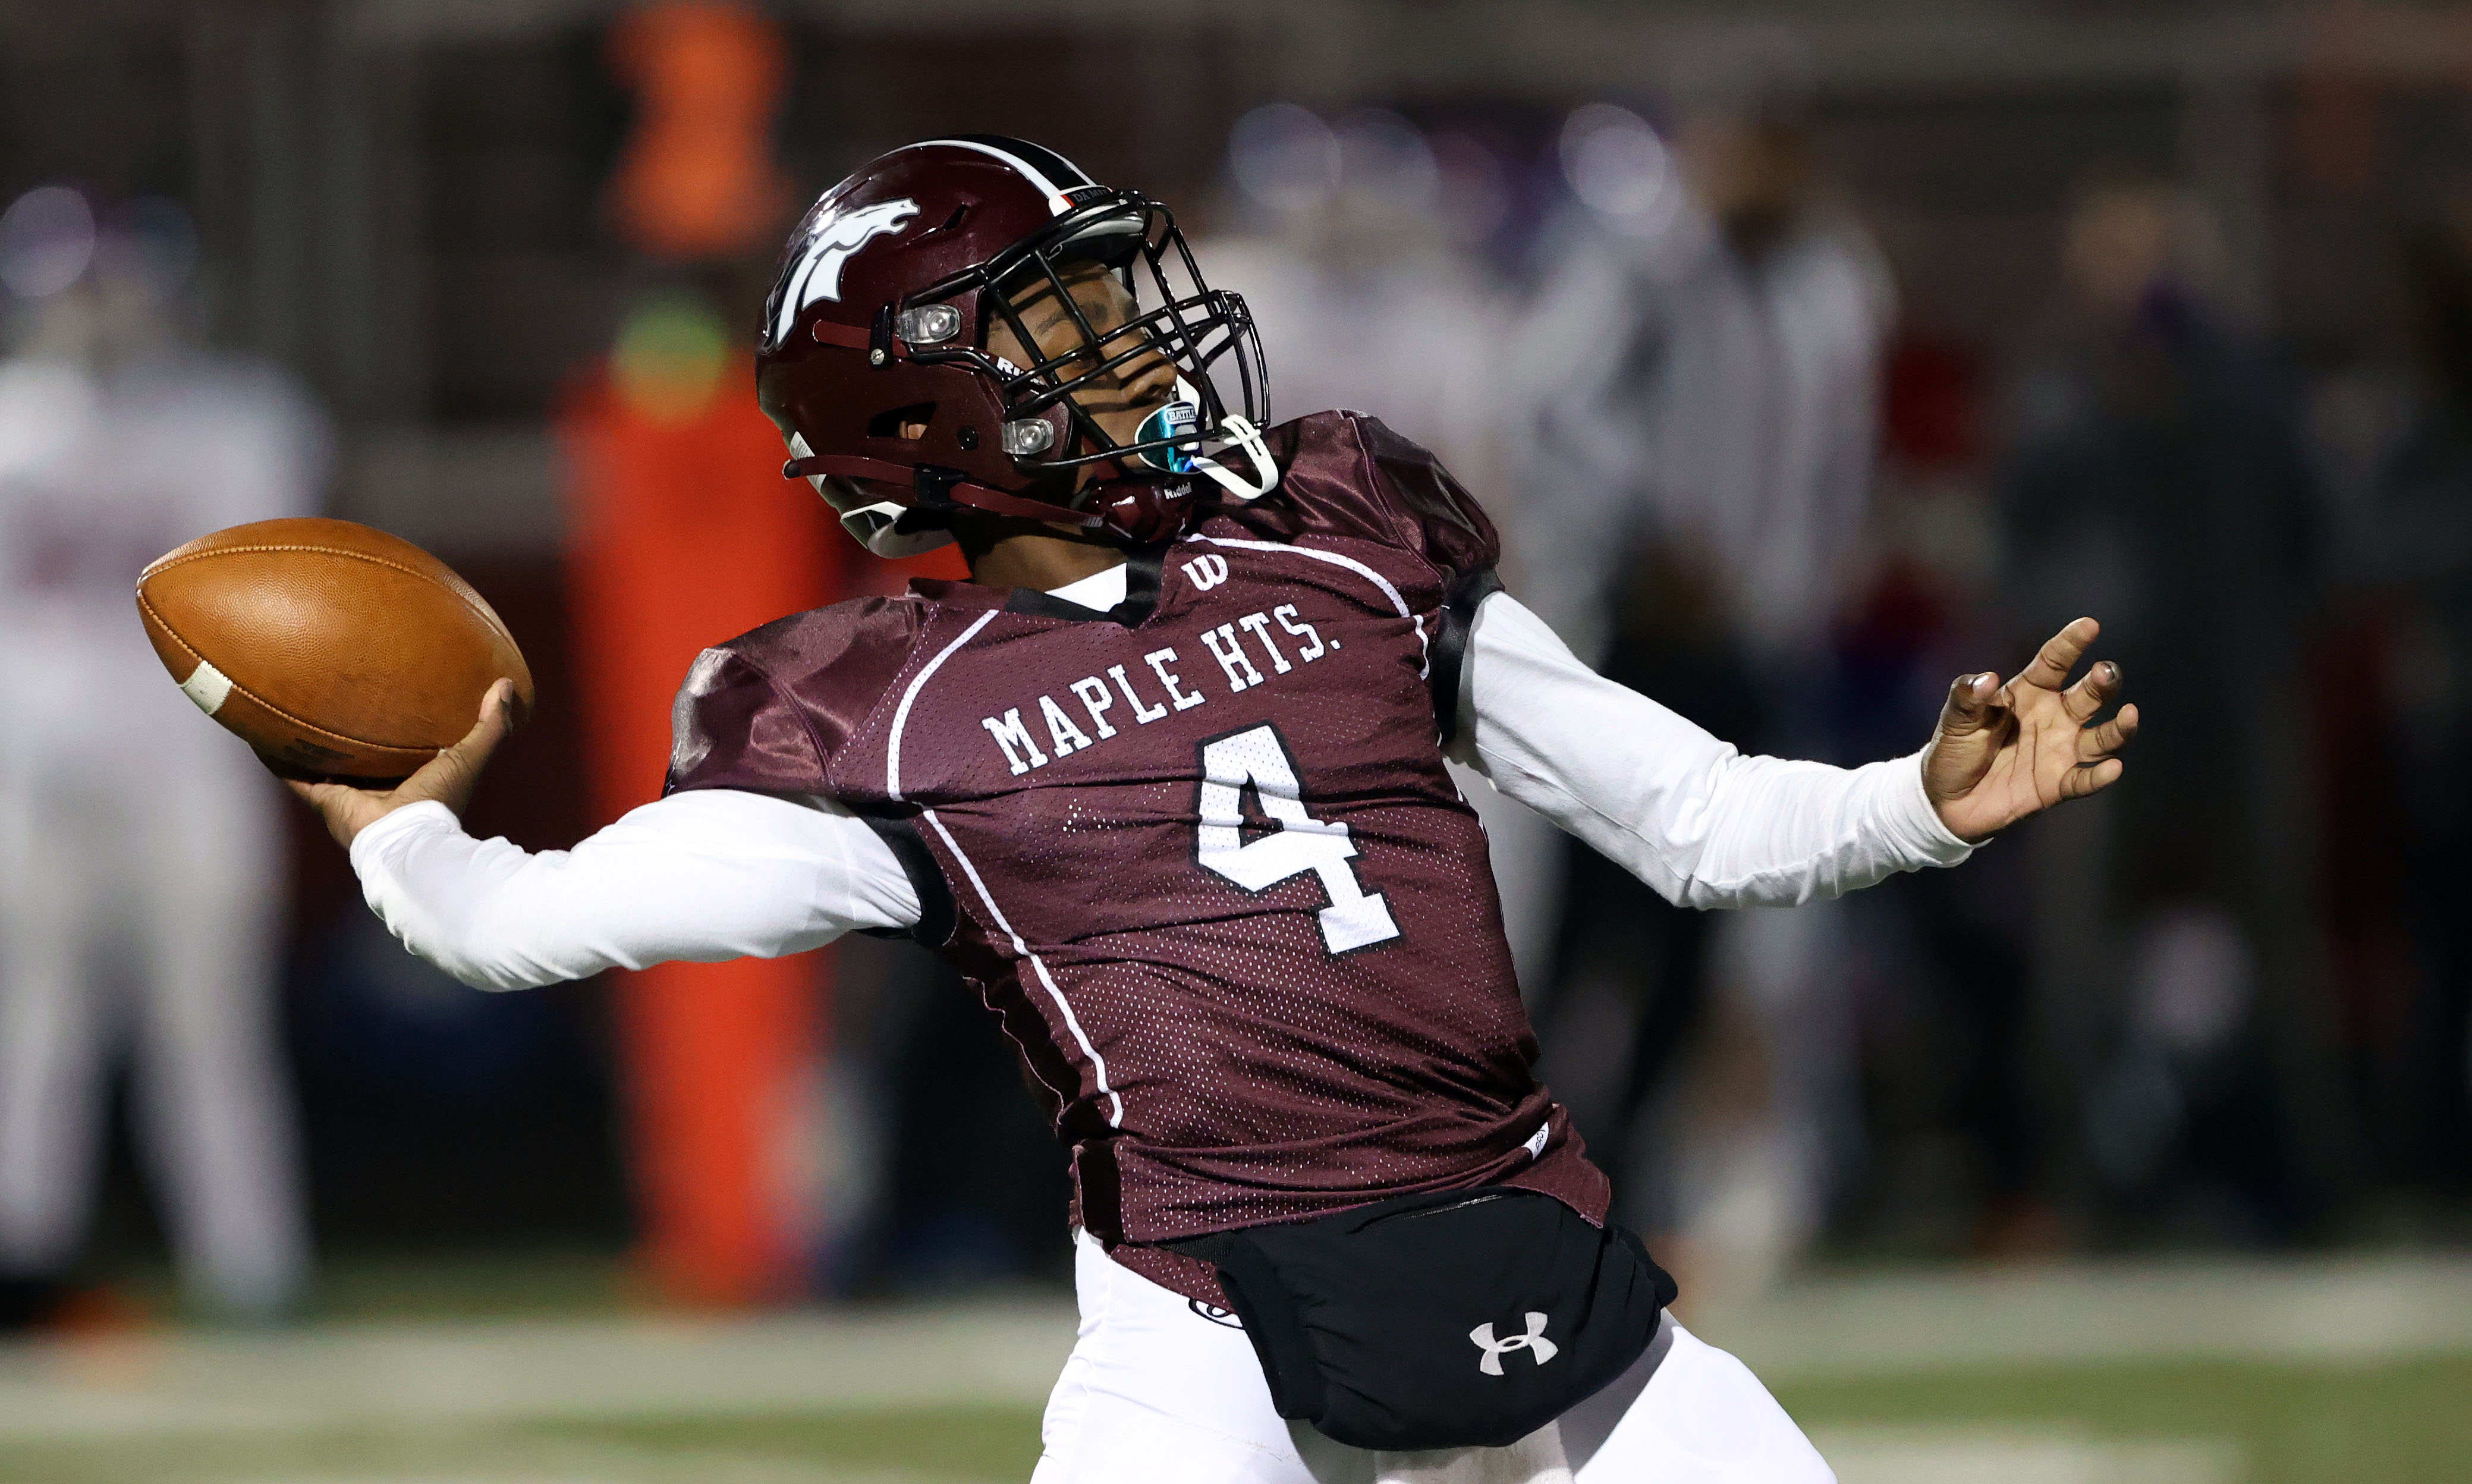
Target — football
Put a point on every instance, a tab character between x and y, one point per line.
334	649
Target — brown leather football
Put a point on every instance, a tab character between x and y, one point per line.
334	649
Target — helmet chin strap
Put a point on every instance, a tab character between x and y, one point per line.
934	488
1241	434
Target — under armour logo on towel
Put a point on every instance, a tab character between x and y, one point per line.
1534	1342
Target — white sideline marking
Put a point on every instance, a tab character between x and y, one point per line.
1973	1455
2342	1311
210	1384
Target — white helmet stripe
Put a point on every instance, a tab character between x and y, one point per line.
1056	204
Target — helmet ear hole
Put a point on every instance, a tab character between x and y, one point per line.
902	423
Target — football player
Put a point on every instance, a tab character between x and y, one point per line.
132	934
1165	780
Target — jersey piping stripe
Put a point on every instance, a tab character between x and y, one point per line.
1056	204
1353	565
902	712
1072	1022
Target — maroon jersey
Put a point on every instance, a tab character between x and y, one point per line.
1199	853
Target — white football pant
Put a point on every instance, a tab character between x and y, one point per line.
1157	1390
137	916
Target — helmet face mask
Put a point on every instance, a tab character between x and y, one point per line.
876	359
1192	330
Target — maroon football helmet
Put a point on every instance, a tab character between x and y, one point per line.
877	327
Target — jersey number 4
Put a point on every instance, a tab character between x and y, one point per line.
1259	756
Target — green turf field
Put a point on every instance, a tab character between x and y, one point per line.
2148	1423
925	1446
2156	1375
2397	1423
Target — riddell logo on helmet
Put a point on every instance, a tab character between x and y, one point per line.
817	274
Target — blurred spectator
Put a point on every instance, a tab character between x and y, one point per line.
2157	483
1697	446
1355	250
2420	561
1952	1161
139	862
1700	372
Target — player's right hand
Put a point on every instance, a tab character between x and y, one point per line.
2002	752
448	778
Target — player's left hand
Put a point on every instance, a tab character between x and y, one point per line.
2004	752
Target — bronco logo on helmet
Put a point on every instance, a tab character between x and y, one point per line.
817	272
875	362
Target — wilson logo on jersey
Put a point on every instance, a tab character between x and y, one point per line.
1208	570
1097	695
819	273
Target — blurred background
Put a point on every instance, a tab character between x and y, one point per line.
1807	357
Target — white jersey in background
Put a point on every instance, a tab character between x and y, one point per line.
1666	385
140	869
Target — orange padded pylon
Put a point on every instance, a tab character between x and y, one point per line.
684	533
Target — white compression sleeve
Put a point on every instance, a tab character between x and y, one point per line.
704	875
1686	813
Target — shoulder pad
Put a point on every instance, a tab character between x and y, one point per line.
768	710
